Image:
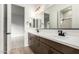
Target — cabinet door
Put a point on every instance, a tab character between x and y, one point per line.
36	45
43	49
30	39
33	42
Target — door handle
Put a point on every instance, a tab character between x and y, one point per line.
8	33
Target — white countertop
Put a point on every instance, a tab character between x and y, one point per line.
67	40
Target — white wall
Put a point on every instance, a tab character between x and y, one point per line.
75	22
27	18
1	29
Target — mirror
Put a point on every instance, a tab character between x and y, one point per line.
58	16
63	16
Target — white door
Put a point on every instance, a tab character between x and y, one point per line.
15	27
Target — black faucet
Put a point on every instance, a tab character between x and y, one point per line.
37	30
61	33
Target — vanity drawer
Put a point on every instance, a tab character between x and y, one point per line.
59	47
53	51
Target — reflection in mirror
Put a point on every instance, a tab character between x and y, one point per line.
46	20
65	18
33	23
36	23
58	16
50	20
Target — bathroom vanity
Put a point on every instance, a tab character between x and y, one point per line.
55	17
46	45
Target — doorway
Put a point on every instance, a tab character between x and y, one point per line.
14	37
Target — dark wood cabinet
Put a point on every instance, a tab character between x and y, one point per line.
43	49
33	42
53	51
59	47
42	45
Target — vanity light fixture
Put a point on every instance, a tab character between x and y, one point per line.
37	9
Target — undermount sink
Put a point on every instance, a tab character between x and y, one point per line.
66	38
62	37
